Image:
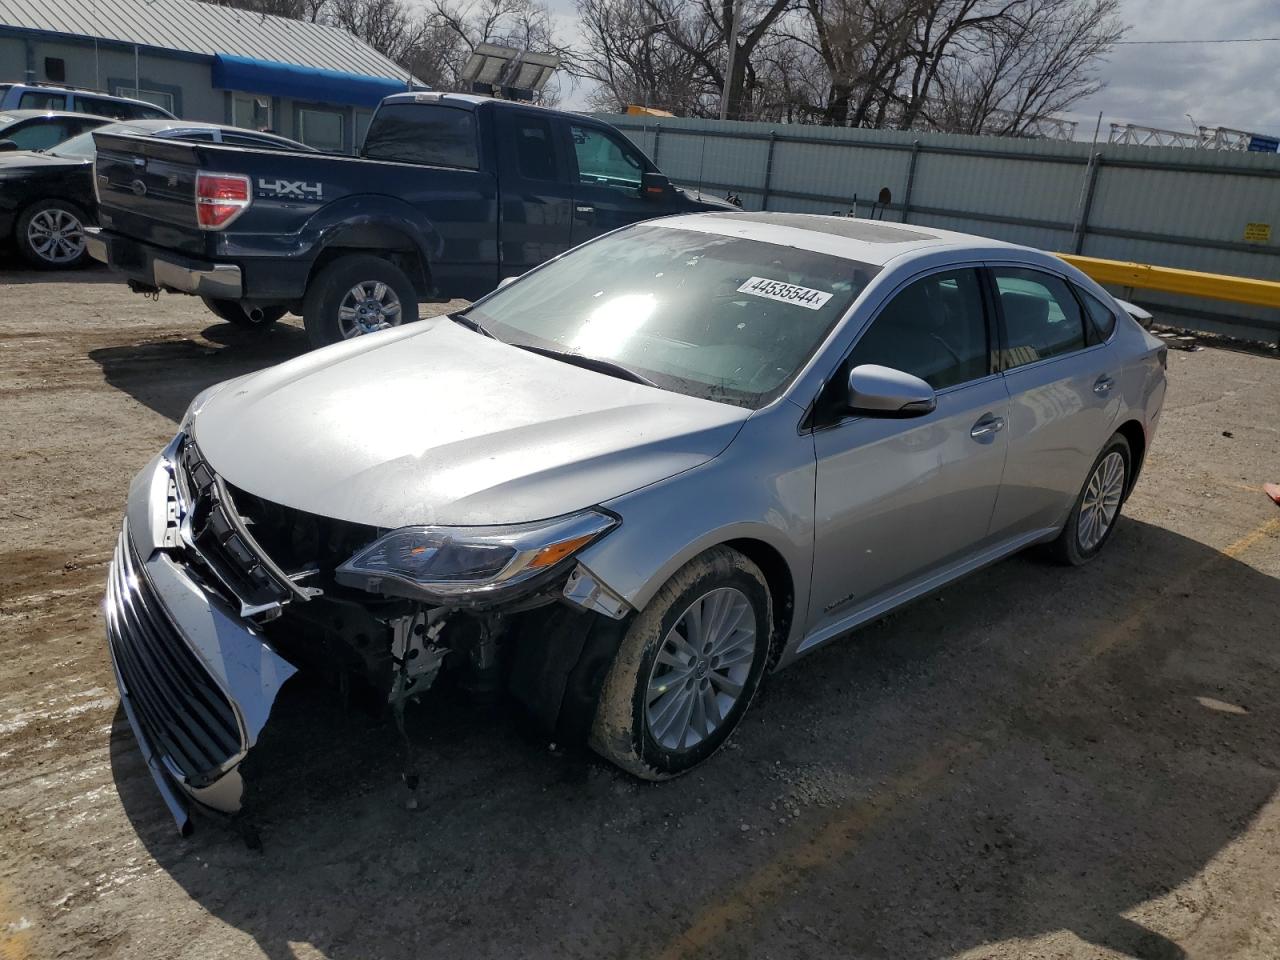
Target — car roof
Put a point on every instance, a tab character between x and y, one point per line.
465	101
864	241
28	114
157	125
44	86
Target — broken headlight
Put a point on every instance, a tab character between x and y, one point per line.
469	564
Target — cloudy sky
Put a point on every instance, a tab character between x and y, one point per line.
1224	84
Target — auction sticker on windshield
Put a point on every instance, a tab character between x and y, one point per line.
785	292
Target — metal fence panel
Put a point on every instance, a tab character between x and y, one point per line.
1181	208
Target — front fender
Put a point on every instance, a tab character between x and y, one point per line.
760	488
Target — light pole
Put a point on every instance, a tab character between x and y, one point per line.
733	51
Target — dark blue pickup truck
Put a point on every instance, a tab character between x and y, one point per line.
450	195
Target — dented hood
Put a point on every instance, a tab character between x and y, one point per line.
436	424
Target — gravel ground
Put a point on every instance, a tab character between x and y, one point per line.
1036	762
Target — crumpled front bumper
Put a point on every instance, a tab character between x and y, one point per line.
196	680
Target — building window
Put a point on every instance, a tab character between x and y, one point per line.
55	69
158	97
321	129
252	113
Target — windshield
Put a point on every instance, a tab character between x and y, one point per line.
81	147
706	315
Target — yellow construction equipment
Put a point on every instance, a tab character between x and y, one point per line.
1192	283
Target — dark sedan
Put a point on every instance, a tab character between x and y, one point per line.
42	129
46	196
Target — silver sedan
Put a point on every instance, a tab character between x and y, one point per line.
626	485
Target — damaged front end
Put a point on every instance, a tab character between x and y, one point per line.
216	597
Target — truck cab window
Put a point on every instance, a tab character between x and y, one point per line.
606	160
438	136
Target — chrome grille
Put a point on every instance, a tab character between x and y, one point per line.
188	720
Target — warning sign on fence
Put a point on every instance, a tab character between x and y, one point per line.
1257	233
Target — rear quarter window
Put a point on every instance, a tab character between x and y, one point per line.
428	134
1102	319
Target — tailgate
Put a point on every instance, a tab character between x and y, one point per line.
146	190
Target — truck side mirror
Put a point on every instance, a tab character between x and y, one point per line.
7	145
654	186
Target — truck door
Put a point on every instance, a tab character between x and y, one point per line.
608	192
536	194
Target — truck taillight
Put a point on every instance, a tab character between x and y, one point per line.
220	198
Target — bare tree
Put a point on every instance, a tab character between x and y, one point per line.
677	50
1026	67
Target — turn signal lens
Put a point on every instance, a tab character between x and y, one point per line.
220	198
549	556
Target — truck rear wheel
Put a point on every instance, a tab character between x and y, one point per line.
356	295
233	311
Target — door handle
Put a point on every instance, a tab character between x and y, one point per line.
1103	385
987	426
585	208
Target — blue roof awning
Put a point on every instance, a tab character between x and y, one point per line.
301	83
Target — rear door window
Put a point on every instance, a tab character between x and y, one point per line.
104	108
423	133
935	328
39	136
1041	316
42	100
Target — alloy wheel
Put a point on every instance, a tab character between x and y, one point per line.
701	669
56	235
1101	501
369	306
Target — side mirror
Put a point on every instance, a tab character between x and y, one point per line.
654	186
6	145
506	282
876	391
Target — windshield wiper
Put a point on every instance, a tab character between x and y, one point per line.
589	363
470	324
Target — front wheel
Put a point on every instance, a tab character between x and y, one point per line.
687	669
1097	508
356	295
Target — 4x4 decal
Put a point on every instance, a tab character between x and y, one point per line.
290	189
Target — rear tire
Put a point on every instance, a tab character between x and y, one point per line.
232	311
687	668
50	235
1096	512
355	295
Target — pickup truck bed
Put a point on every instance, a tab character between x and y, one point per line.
449	195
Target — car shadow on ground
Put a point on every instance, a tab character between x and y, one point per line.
15	270
1035	749
164	374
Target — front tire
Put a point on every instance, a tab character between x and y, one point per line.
1097	508
232	311
50	235
687	669
356	295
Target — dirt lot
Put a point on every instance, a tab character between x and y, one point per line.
1036	763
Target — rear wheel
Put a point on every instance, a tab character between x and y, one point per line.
356	295
50	235
233	311
687	669
1097	508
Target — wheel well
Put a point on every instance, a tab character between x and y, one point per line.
1132	431
384	242
781	588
